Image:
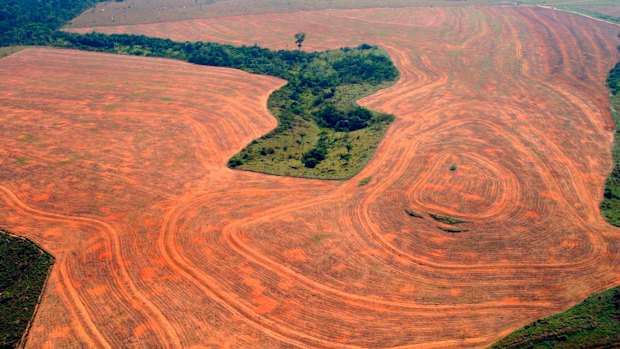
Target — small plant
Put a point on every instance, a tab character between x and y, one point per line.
453	230
266	151
365	181
320	237
27	138
413	213
453	167
446	219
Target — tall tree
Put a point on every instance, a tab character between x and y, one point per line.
299	39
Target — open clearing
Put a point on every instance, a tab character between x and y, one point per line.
111	13
116	166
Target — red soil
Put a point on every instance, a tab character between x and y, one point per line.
159	244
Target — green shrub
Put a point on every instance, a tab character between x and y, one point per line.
446	219
365	181
412	213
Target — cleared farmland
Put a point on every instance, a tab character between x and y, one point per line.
502	122
112	13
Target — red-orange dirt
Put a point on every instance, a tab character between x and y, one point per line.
116	165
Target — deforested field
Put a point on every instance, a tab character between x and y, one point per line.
478	214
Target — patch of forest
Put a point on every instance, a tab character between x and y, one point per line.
35	22
22	277
610	205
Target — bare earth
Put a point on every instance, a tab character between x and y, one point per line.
116	165
112	13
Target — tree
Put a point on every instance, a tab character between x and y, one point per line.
299	39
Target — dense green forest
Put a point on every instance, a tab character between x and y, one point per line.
22	277
34	22
610	205
594	323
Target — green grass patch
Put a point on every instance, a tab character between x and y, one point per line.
365	181
21	161
27	138
140	138
71	160
497	29
446	219
9	50
603	16
593	323
22	276
412	213
454	53
320	237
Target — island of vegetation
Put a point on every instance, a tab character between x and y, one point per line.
22	276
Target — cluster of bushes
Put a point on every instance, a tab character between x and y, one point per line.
613	80
343	120
446	219
318	153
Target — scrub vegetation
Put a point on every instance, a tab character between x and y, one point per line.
593	323
610	205
24	270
